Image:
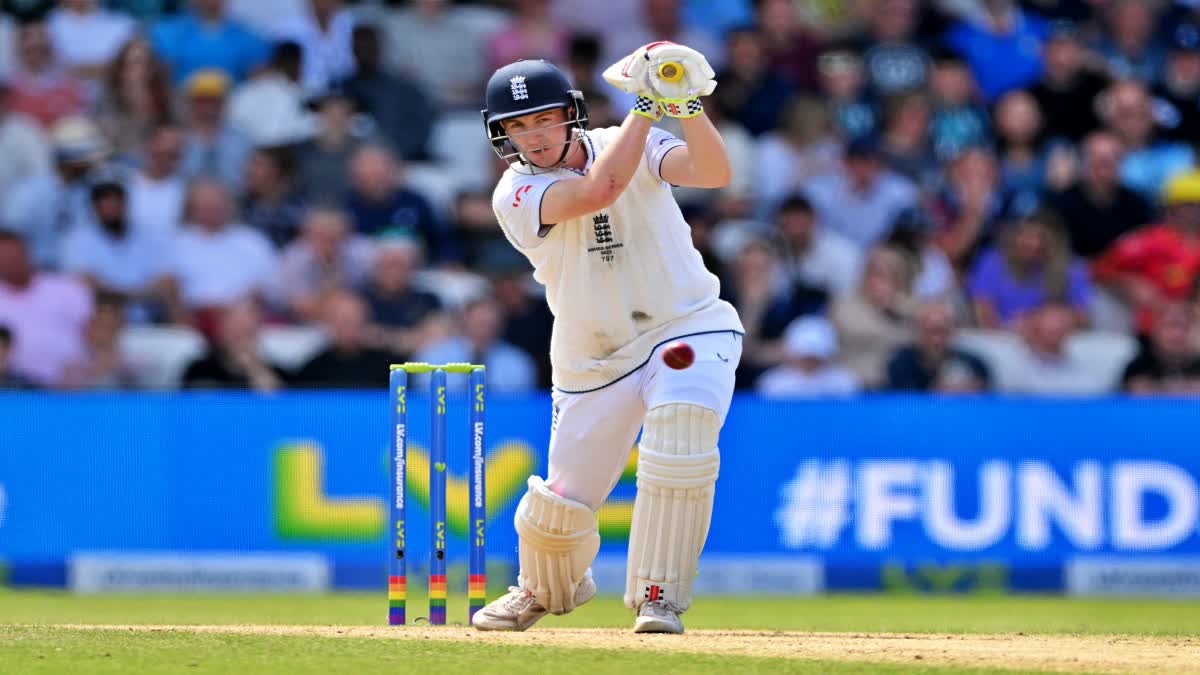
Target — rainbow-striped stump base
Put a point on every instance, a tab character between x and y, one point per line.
476	594
437	599
397	594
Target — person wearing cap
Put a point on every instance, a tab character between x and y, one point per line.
808	369
211	146
206	37
1158	263
45	205
1180	83
860	201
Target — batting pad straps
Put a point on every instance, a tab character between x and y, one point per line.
678	463
558	541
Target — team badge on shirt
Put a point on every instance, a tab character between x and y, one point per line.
602	233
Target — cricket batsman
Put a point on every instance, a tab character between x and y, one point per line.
593	212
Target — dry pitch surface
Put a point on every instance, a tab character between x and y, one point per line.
1086	653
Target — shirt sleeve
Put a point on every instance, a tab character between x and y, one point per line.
658	144
518	207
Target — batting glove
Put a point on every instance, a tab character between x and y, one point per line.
679	76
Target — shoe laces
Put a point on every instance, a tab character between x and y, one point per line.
518	600
660	608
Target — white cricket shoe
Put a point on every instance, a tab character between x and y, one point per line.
657	616
517	610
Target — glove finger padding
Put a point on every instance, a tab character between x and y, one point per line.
630	74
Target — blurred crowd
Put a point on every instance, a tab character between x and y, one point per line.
928	195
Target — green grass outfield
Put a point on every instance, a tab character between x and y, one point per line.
33	638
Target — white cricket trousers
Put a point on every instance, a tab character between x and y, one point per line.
592	433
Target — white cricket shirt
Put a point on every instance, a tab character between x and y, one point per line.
620	281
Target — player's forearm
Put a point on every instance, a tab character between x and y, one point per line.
706	151
614	168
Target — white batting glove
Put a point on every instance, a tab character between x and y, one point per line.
631	74
679	76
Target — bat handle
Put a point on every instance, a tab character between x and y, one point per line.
671	71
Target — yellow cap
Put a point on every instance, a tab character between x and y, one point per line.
208	82
1183	188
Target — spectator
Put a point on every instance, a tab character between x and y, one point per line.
932	363
809	369
474	227
87	36
404	317
843	84
1068	89
440	45
803	147
1002	43
322	29
326	259
791	50
895	63
103	365
23	145
703	224
1179	86
873	321
214	261
528	320
379	201
934	276
661	20
1024	167
40	87
270	108
206	38
1097	209
905	144
44	206
1044	365
349	362
400	108
136	98
1158	263
1129	47
46	313
759	288
1149	161
272	203
861	201
212	147
325	158
112	258
9	379
156	190
233	360
532	34
959	120
509	370
813	256
971	206
750	92
1168	362
1030	266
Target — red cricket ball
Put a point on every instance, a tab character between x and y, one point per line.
678	355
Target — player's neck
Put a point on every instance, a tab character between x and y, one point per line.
577	156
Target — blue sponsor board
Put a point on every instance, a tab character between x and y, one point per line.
896	492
